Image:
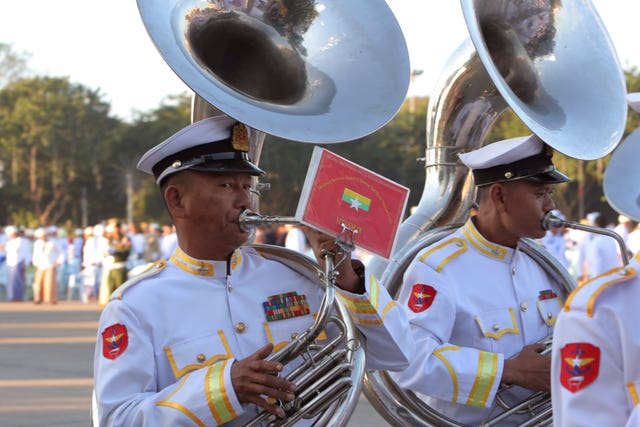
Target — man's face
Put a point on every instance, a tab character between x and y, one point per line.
213	203
525	205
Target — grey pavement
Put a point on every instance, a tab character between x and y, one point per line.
46	365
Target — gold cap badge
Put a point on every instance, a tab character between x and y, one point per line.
240	137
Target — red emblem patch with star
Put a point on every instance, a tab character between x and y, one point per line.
422	297
114	341
580	365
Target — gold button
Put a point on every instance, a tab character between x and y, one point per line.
496	327
240	327
508	175
549	315
625	271
523	306
201	358
176	164
513	271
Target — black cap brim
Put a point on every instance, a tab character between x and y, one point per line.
229	166
551	177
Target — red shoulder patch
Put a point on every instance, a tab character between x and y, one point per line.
580	365
115	340
422	296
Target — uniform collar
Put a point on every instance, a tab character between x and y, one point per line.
485	247
205	267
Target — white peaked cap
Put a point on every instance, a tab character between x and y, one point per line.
633	99
502	152
213	144
522	158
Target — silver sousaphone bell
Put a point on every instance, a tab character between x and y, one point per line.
304	70
621	183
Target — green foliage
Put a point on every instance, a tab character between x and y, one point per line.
53	133
13	65
59	144
145	132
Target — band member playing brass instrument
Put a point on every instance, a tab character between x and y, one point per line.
478	304
185	343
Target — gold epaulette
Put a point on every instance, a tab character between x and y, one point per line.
584	297
152	270
438	255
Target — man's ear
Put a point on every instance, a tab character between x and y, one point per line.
497	195
173	199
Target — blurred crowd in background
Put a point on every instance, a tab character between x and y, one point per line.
586	255
47	264
51	263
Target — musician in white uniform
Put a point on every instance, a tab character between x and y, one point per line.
595	377
475	299
184	343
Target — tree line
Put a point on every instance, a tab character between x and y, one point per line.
66	160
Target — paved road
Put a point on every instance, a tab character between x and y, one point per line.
46	365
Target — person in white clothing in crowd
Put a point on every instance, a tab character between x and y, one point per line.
478	304
94	251
3	257
18	256
597	253
136	236
168	241
624	227
48	256
74	264
186	343
296	240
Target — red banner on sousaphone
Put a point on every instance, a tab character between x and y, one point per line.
339	192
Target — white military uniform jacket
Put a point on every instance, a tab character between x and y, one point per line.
471	304
595	369
167	339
